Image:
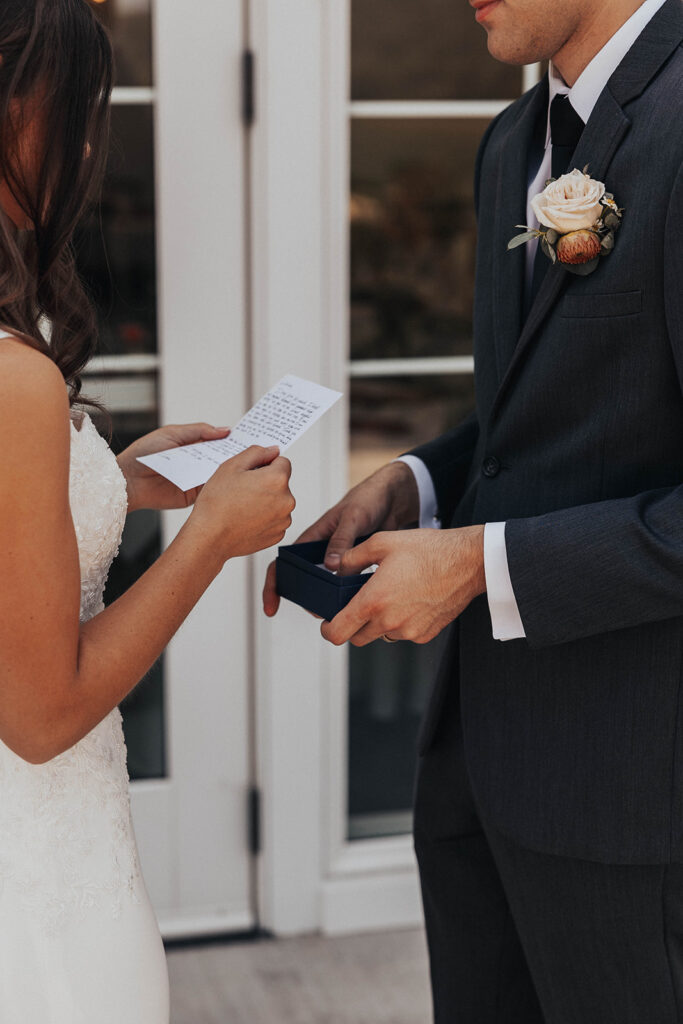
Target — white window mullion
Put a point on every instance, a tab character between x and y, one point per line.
407	109
441	365
133	95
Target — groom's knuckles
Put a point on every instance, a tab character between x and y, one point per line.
319	530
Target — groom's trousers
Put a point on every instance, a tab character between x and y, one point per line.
521	937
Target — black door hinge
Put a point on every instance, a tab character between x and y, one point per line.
254	820
248	87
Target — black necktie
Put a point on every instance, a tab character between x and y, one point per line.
565	131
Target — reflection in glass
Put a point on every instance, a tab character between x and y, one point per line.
424	50
389	683
116	244
413	235
390	415
143	709
130	25
115	250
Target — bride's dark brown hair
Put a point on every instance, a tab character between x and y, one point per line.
56	59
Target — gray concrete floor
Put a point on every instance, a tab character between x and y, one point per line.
362	979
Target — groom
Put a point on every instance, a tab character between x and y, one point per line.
549	810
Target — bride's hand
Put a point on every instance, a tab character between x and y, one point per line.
246	505
147	489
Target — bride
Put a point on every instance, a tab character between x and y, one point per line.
78	940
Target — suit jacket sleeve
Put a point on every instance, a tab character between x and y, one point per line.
448	459
613	564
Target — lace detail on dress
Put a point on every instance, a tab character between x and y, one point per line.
66	837
97	492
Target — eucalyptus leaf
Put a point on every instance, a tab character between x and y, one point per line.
551	236
607	244
582	269
548	250
521	239
610	220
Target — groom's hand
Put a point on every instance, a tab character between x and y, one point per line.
424	580
387	500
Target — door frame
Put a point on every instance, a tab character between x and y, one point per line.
310	876
192	825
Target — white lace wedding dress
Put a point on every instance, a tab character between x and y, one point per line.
79	943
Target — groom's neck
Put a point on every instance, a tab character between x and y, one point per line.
598	23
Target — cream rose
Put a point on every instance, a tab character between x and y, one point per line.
570	203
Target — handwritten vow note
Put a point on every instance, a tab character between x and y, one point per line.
280	417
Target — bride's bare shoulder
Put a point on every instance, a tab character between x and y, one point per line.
31	386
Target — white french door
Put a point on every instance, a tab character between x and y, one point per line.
174	327
202	806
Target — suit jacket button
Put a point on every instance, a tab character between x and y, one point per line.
491	466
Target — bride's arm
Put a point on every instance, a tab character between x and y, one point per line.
58	679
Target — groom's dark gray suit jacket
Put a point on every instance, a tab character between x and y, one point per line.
574	735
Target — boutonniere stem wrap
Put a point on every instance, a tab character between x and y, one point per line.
578	219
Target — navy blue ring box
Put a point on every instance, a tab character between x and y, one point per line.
299	579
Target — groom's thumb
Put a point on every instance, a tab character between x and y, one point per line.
358	558
341	540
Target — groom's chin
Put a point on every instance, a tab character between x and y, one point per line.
508	49
530	35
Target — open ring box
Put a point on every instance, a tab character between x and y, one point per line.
302	578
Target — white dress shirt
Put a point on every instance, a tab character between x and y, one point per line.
583	95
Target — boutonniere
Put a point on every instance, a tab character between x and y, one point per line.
578	219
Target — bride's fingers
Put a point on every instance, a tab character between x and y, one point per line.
191	433
254	457
209	433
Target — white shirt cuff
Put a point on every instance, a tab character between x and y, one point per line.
505	618
425	487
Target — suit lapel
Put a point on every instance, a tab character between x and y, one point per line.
511	210
599	142
601	137
653	47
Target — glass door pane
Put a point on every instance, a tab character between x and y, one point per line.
389	683
130	25
424	50
425	67
413	236
116	251
117	244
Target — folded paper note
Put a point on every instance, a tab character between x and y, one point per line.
280	417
